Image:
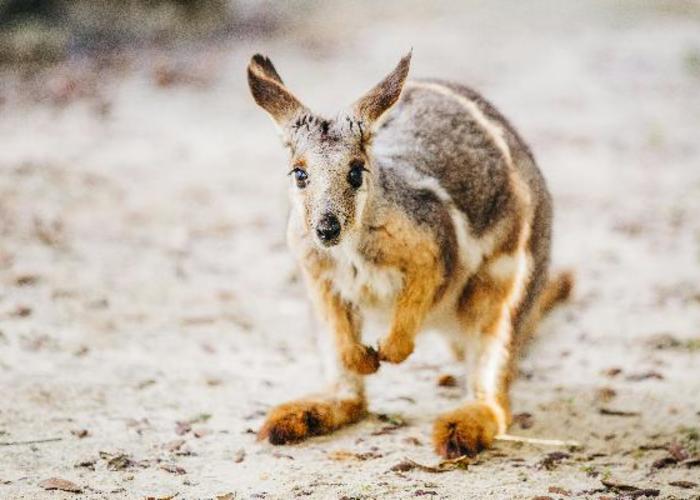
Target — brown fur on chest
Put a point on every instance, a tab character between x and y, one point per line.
372	269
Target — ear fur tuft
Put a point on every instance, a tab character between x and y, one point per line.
264	64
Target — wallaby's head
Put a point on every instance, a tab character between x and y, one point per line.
331	173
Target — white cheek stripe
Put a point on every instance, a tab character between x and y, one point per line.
493	130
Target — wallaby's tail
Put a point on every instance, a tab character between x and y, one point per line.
557	289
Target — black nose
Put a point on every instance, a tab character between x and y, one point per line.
328	228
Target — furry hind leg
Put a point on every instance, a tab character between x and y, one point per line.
487	312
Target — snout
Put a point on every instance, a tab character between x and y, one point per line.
328	229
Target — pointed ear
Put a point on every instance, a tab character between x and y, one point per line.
384	95
269	91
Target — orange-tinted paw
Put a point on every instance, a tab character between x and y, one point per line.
465	431
299	420
296	421
361	359
395	351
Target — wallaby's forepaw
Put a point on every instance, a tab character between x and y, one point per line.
465	431
361	359
298	420
395	351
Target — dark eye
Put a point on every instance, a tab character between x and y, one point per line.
300	177
357	168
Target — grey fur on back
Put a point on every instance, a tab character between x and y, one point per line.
432	146
434	135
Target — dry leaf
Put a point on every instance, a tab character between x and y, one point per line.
21	311
395	421
182	428
683	484
145	383
663	341
87	463
56	483
412	440
447	380
444	466
341	455
173	469
559	491
551	461
664	462
200	432
637	377
619	487
26	280
118	461
239	456
175	445
605	394
612	372
618	413
524	420
677	451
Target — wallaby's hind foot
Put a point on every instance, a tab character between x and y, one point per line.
298	420
465	431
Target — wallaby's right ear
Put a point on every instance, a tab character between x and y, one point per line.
371	106
269	91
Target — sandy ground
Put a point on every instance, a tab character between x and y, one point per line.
148	300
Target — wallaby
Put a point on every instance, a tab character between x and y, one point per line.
421	202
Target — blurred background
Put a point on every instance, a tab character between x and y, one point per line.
150	313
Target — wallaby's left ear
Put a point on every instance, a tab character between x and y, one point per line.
384	95
270	92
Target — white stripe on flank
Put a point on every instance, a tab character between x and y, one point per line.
471	250
492	361
498	350
492	129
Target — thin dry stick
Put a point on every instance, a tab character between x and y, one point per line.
34	441
545	442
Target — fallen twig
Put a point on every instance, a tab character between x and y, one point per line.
545	442
618	413
33	441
